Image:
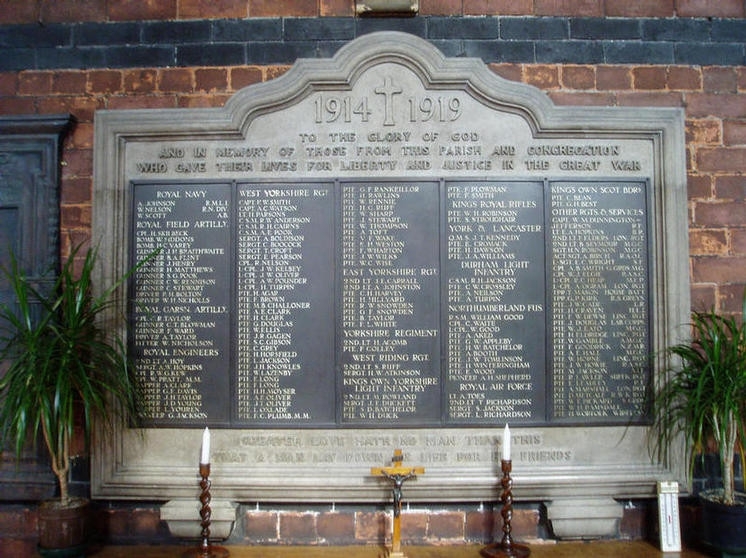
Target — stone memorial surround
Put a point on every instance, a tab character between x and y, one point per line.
710	88
479	144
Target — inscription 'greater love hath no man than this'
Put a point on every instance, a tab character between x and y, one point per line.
391	302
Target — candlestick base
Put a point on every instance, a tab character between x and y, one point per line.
209	552
497	550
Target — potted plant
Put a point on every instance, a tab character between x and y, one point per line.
63	370
703	400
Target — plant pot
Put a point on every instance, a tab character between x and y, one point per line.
724	527
63	529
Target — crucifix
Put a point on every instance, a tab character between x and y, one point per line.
397	473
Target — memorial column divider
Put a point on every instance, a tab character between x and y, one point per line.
338	280
233	358
549	338
443	299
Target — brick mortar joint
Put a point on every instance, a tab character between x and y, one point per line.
28	77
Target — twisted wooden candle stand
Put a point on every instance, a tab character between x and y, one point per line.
506	547
205	550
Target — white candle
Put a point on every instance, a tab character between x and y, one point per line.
506	443
205	458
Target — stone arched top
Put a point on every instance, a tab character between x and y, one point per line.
437	71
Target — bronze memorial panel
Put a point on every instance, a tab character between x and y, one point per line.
347	303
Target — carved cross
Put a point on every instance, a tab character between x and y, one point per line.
388	91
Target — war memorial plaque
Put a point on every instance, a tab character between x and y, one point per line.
264	277
394	249
390	308
283	291
180	309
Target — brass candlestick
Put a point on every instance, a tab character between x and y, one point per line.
506	547
206	550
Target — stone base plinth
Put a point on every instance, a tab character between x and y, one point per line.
585	518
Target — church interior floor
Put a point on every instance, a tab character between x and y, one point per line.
599	549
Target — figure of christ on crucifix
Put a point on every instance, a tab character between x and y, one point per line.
397	473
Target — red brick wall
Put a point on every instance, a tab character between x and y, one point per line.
141	524
716	142
22	11
714	99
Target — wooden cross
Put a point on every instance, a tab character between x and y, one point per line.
397	473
